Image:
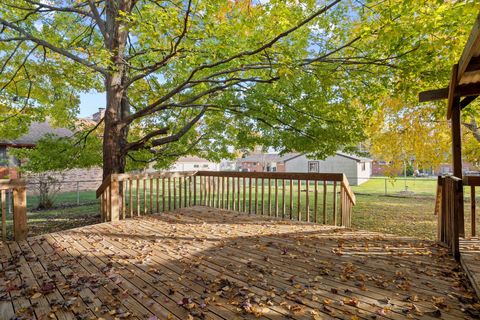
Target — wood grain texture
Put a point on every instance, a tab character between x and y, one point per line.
205	263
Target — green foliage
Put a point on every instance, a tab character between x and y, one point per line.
53	153
315	90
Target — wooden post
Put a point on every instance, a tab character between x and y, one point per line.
114	196
20	213
473	208
3	199
195	190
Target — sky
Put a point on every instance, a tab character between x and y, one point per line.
90	102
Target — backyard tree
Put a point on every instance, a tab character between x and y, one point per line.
210	76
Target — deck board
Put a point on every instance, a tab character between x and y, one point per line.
204	263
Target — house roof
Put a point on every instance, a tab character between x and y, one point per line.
267	157
36	131
341	154
353	157
192	159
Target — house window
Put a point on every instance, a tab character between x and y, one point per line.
205	165
364	166
313	166
196	166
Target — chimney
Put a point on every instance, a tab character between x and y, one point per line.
99	115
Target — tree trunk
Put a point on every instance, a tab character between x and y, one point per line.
115	135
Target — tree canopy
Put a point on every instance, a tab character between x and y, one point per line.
212	76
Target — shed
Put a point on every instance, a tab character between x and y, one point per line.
357	169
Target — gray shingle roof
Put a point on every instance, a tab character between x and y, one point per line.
37	131
267	157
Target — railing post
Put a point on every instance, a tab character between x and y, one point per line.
20	213
114	199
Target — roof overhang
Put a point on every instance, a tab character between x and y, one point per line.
465	79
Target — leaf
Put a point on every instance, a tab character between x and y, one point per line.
36	295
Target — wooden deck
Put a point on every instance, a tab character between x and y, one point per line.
470	260
202	263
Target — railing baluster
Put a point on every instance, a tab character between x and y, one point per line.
334	203
283	198
307	200
250	195
244	195
163	194
276	197
256	196
315	201
3	199
233	194
123	186
137	196
290	205
269	201
223	193
262	207
228	193
144	196
473	208
324	202
238	194
180	192
157	193
151	196
299	213
185	185
169	189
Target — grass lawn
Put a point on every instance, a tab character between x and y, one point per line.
383	185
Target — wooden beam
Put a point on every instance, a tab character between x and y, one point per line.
466	101
464	90
471	49
451	92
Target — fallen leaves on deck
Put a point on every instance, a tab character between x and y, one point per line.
200	264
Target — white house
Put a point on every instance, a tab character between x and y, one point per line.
194	164
357	169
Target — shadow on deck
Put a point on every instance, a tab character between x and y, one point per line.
203	263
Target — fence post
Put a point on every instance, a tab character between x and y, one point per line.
20	213
114	199
78	193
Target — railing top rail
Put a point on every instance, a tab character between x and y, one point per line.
106	182
138	176
8	184
348	190
471	181
275	175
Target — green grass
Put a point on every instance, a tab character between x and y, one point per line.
65	199
382	185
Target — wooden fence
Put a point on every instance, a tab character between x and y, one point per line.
450	213
17	188
315	197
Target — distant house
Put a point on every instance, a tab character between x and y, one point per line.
89	177
194	164
36	131
263	162
357	169
228	165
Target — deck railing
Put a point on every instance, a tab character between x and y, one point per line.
472	182
315	197
17	189
450	213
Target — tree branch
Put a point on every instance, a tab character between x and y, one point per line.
50	46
